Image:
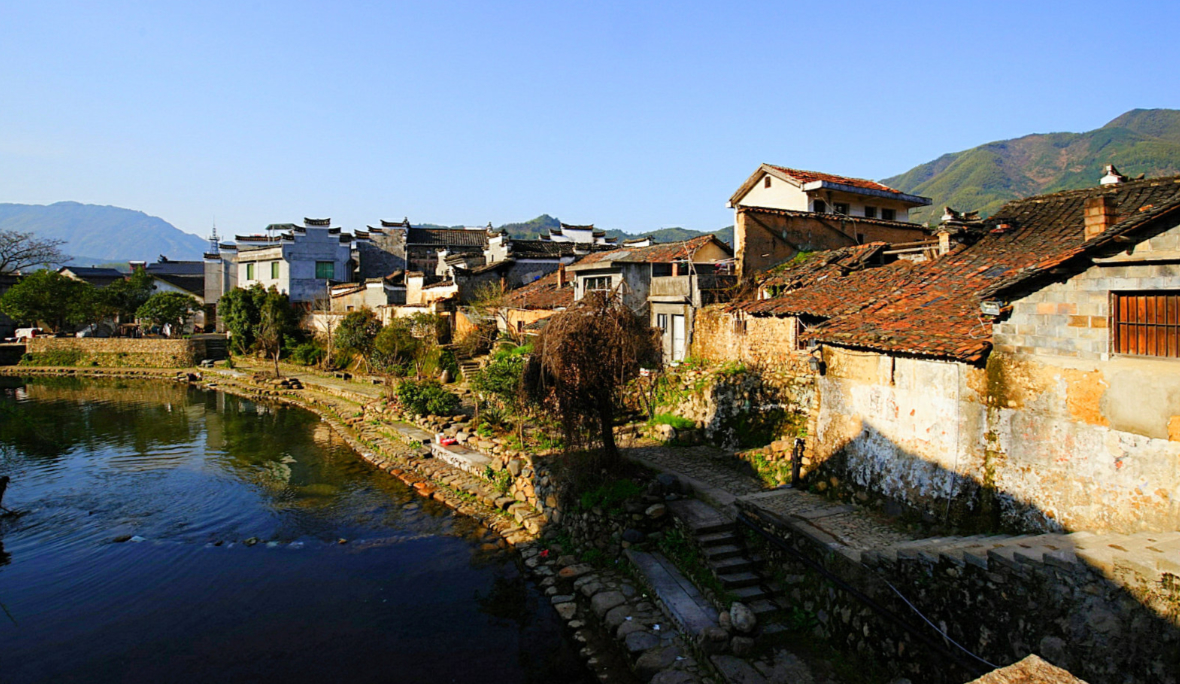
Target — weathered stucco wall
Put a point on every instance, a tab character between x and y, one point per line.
1025	443
114	352
721	337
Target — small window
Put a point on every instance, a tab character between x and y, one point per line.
870	212
597	284
766	182
820	207
274	270
889	214
662	322
799	329
1146	323
520	326
840	207
739	326
325	270
249	271
860	238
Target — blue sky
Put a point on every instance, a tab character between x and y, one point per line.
628	115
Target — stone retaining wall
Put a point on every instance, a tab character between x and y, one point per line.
114	352
1105	625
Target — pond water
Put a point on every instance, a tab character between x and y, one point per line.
413	594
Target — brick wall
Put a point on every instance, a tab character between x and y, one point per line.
116	352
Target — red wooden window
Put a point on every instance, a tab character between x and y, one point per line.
1146	323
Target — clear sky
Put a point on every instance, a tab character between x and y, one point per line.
629	115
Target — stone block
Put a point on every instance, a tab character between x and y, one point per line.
604	601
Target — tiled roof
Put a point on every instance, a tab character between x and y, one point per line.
177	267
543	293
809	176
93	272
935	311
809	214
193	284
444	237
659	253
542	249
833	283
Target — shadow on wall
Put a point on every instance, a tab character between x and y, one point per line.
1104	606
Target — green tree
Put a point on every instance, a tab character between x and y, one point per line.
395	348
168	308
499	383
240	309
277	322
50	298
356	334
122	298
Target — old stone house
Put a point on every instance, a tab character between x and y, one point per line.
586	235
423	245
779	212
370	293
526	308
1026	378
663	282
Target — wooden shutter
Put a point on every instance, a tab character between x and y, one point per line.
1146	323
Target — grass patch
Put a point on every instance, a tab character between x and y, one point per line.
670	419
609	495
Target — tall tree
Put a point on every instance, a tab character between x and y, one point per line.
122	298
19	251
276	322
582	362
50	298
356	334
168	308
240	310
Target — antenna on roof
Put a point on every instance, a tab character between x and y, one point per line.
213	242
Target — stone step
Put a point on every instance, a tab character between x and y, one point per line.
716	539
716	553
763	607
739	579
735	564
751	593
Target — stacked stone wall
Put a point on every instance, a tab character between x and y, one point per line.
1118	623
114	352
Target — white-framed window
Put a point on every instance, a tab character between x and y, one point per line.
250	271
662	322
274	270
597	284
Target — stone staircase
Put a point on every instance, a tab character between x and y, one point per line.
216	347
724	551
1150	554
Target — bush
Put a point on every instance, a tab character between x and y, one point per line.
609	495
675	421
427	398
56	357
307	354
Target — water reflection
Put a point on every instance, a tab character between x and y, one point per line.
177	534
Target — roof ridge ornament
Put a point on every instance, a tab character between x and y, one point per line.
1112	177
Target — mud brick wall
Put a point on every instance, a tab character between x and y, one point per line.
114	352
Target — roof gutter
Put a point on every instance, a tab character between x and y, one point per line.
828	185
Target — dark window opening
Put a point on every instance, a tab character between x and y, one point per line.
766	182
889	214
870	212
661	270
841	208
662	322
860	238
1146	323
821	207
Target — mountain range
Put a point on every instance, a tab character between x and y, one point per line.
101	234
983	178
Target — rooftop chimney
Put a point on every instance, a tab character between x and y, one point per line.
1112	177
1100	215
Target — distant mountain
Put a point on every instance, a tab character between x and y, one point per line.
533	229
983	178
103	234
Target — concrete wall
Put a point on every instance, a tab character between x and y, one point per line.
116	352
381	254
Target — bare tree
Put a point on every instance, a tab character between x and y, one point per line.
19	251
584	359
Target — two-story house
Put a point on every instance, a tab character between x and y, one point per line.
779	212
663	282
302	261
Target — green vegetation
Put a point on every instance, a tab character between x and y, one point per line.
50	298
687	557
675	421
54	357
609	495
260	320
984	178
427	398
168	309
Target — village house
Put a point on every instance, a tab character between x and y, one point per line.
95	275
661	282
1024	378
370	293
779	212
423	245
381	250
586	235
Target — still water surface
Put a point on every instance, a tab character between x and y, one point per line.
416	594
